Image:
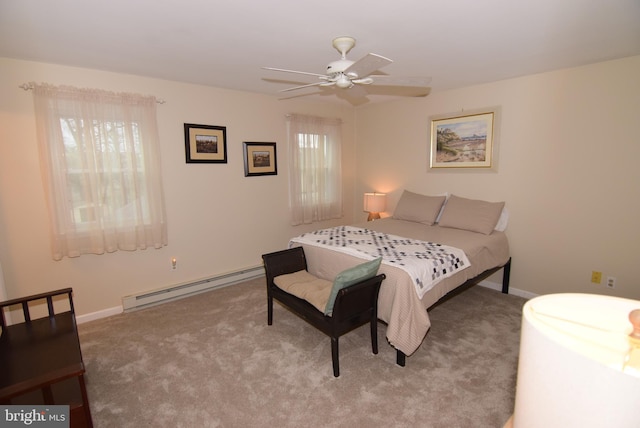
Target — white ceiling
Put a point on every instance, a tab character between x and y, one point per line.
225	43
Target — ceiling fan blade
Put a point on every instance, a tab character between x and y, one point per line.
399	91
308	86
366	65
365	81
357	91
355	99
294	71
289	82
299	95
322	91
401	81
356	95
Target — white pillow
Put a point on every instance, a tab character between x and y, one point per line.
503	221
446	198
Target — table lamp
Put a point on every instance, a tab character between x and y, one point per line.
374	204
579	363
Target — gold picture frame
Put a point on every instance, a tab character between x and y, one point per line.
465	140
260	159
205	143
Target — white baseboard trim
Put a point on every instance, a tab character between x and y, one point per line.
190	288
99	314
119	309
516	292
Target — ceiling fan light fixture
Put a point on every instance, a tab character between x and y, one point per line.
343	82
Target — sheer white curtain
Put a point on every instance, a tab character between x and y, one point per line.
100	162
315	172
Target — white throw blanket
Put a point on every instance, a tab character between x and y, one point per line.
426	263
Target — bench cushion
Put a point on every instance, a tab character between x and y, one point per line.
305	286
320	292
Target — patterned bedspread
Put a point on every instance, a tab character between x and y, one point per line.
427	263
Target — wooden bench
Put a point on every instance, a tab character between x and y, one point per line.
40	359
355	305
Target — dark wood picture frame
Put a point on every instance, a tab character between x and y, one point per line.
260	159
205	143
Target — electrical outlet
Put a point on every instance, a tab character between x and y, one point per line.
611	282
596	277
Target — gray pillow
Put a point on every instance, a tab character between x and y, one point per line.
470	214
419	208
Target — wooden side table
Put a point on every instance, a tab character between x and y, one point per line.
40	359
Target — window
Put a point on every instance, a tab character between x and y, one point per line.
315	173
101	170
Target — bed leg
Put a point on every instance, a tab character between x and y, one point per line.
401	358
506	273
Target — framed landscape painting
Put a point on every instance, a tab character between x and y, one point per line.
463	141
205	143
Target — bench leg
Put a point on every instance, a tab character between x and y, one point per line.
47	394
269	310
85	402
374	335
506	274
401	358
334	356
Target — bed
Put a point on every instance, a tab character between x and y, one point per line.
473	226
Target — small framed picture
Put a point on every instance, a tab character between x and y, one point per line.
463	140
205	143
260	159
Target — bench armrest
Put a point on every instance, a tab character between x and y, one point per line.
284	262
24	302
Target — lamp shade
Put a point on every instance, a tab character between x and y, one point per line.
578	366
375	202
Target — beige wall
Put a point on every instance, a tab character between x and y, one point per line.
568	170
219	220
568	153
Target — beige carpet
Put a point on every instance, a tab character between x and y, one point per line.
211	361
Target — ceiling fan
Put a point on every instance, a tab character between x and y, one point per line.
347	74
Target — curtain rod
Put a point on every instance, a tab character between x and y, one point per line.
290	115
30	86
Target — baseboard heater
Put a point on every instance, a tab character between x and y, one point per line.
154	297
